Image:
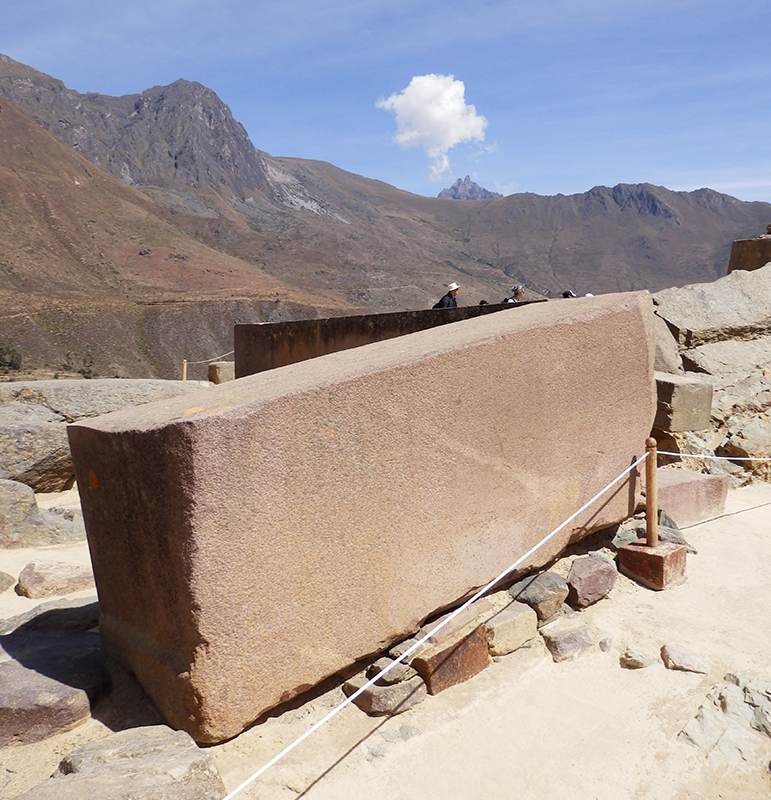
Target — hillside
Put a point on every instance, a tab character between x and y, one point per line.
183	208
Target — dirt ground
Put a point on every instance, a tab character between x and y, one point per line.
526	727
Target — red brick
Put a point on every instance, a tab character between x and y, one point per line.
453	660
659	567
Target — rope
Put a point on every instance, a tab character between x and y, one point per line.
420	642
717	458
207	360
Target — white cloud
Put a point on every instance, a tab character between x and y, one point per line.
432	113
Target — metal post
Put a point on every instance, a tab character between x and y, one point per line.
651	493
184	369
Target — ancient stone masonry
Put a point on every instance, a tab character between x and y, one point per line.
255	538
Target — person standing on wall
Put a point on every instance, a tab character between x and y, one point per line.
449	301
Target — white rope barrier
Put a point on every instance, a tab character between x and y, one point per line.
207	360
420	642
716	458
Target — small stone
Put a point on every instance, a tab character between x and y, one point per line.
407	732
545	593
676	657
606	644
632	659
374	751
386	700
389	735
511	628
567	643
6	581
590	579
401	672
400	649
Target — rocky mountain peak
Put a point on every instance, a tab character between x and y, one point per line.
467	190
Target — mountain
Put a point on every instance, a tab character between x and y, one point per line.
159	220
467	190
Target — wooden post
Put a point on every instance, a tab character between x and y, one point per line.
184	369
651	493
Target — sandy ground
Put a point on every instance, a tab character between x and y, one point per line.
526	727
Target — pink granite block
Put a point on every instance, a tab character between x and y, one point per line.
254	538
691	497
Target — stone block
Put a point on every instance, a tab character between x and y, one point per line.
478	612
44	577
590	579
453	660
691	497
388	700
510	628
221	371
360	492
659	567
684	402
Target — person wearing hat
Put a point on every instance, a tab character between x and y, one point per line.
569	293
517	293
449	301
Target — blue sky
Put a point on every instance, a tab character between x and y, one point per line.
543	96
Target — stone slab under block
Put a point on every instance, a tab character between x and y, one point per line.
659	567
453	660
253	539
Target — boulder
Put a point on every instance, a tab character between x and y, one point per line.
44	577
737	306
48	682
383	512
667	352
23	524
148	763
566	640
71	614
34	449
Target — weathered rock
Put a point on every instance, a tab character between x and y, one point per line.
23	524
677	657
737	306
48	682
684	402
666	534
401	672
399	649
453	660
45	577
545	593
704	730
386	700
150	763
477	613
589	580
510	628
6	581
667	351
221	371
34	448
565	642
730	358
633	659
660	566
62	614
315	458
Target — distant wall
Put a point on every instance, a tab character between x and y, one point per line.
262	346
749	254
258	536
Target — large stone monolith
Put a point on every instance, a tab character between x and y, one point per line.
255	538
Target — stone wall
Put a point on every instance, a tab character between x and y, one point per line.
263	346
750	253
250	540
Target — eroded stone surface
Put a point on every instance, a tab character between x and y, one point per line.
44	577
23	524
150	763
510	628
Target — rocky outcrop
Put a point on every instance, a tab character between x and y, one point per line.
34	415
723	333
23	524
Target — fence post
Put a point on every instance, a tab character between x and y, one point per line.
651	493
184	369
